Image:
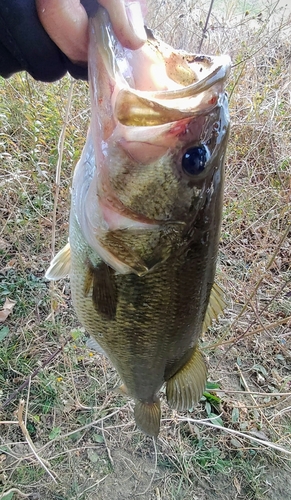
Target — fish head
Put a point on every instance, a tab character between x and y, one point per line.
159	130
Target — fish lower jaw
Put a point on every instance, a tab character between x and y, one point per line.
115	220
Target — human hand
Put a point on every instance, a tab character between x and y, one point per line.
66	22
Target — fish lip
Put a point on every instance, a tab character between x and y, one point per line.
211	73
196	99
221	69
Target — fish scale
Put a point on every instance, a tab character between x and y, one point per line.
145	216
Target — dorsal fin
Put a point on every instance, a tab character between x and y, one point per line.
216	306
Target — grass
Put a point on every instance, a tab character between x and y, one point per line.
81	429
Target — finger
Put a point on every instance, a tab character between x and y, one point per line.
66	22
127	21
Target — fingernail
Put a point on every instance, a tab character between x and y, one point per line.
135	18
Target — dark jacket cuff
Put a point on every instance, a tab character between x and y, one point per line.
25	45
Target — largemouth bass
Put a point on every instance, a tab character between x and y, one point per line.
146	213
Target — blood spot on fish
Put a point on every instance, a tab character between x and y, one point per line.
179	128
213	100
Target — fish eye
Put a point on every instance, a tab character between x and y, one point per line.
194	160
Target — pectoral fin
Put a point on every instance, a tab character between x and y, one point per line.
186	387
60	265
147	416
114	245
104	292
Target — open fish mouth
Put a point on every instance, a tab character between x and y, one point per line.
156	85
146	104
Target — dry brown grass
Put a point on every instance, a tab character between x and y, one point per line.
75	438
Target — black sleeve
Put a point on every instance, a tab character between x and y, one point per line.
25	45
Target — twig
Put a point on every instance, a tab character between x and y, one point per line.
236	433
172	12
205	26
258	407
260	47
61	143
59	164
253	332
281	412
27	400
258	317
258	330
236	83
2	422
15	490
155	470
107	449
28	438
84	427
271	260
261	394
36	371
92	486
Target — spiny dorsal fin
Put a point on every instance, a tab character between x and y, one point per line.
60	266
216	306
186	387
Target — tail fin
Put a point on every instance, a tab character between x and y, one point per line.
147	417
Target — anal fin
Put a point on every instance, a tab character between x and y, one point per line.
147	416
186	387
60	265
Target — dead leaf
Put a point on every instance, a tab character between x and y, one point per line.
7	309
259	434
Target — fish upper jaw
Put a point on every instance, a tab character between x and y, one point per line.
154	85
